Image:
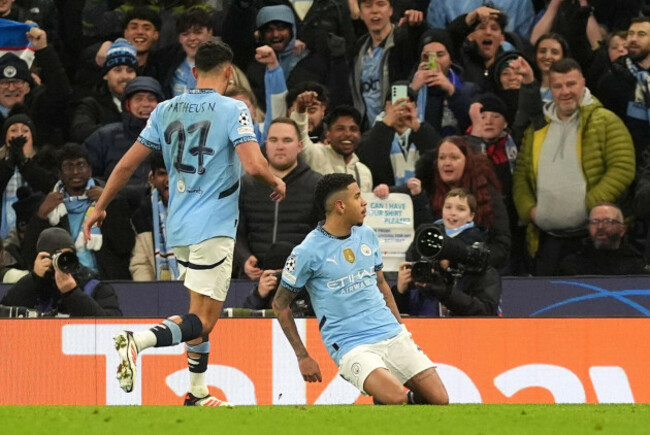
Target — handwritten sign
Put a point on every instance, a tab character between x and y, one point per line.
392	220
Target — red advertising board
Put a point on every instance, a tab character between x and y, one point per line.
72	362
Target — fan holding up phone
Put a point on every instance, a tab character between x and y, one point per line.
394	143
443	97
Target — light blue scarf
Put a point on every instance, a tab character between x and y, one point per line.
422	93
640	107
166	267
453	232
8	198
77	208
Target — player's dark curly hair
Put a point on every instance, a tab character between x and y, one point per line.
328	185
211	54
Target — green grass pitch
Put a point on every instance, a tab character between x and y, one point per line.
343	419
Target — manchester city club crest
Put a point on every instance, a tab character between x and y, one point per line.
365	250
349	255
180	186
9	72
356	369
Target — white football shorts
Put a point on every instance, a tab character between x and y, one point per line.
206	266
400	355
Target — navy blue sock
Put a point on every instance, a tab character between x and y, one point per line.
414	398
200	364
170	333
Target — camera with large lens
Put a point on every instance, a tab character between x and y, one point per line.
433	245
421	272
10	312
65	261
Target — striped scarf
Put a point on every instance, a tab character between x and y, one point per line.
166	267
640	107
8	198
74	206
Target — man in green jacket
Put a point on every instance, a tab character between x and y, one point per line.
575	155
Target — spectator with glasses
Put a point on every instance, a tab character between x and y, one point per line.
45	100
108	251
606	251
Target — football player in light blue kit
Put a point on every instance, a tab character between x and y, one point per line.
205	139
339	263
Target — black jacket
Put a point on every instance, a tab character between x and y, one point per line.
37	172
591	261
324	17
471	295
93	112
47	103
263	221
91	298
375	149
642	189
615	90
108	144
458	103
326	30
474	65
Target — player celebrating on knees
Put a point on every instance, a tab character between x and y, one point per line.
203	137
339	263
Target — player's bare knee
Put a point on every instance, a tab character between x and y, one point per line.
441	399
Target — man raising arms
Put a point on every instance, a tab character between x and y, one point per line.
339	263
203	137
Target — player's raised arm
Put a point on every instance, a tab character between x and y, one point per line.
117	180
282	308
388	295
257	166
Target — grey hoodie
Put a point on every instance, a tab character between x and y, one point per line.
561	185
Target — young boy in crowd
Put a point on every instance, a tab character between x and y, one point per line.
472	294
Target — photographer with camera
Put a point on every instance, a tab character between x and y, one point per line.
261	295
452	277
59	284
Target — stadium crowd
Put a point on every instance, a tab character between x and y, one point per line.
540	110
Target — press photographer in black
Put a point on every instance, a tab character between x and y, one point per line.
448	274
261	295
59	285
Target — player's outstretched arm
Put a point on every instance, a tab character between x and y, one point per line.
257	166
117	180
282	308
388	295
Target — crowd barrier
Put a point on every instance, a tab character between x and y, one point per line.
611	296
562	360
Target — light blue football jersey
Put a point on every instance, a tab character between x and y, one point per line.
340	276
197	133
